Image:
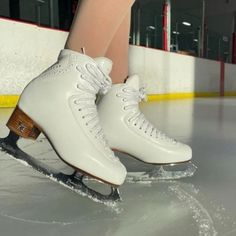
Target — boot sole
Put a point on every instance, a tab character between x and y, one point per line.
157	164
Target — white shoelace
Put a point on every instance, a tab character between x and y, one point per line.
132	97
95	78
93	81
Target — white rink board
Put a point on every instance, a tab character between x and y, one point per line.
230	77
166	72
26	50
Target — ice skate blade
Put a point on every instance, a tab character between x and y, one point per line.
160	173
73	182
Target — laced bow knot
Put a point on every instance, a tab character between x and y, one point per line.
94	76
143	93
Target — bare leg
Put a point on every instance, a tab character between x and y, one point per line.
95	24
118	51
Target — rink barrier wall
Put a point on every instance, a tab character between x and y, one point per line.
167	75
171	73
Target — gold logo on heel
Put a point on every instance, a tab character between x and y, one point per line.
21	127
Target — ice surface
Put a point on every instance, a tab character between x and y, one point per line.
200	215
203	205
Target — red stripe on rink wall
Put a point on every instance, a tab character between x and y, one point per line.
234	48
222	79
165	27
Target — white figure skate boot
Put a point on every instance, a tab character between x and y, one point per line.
60	103
127	130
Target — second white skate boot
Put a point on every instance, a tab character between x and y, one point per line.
60	103
128	130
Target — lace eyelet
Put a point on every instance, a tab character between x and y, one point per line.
135	124
83	117
79	109
78	68
82	76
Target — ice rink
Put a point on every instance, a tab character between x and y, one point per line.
204	205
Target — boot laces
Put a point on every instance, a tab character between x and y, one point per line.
92	81
132	97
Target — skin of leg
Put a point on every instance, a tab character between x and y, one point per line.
95	24
118	51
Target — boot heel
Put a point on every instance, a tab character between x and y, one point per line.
22	125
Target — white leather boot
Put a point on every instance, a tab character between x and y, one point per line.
127	129
61	103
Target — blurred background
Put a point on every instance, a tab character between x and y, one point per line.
201	28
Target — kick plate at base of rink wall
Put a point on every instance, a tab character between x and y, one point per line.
10	101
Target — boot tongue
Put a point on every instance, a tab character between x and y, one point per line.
134	82
104	64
